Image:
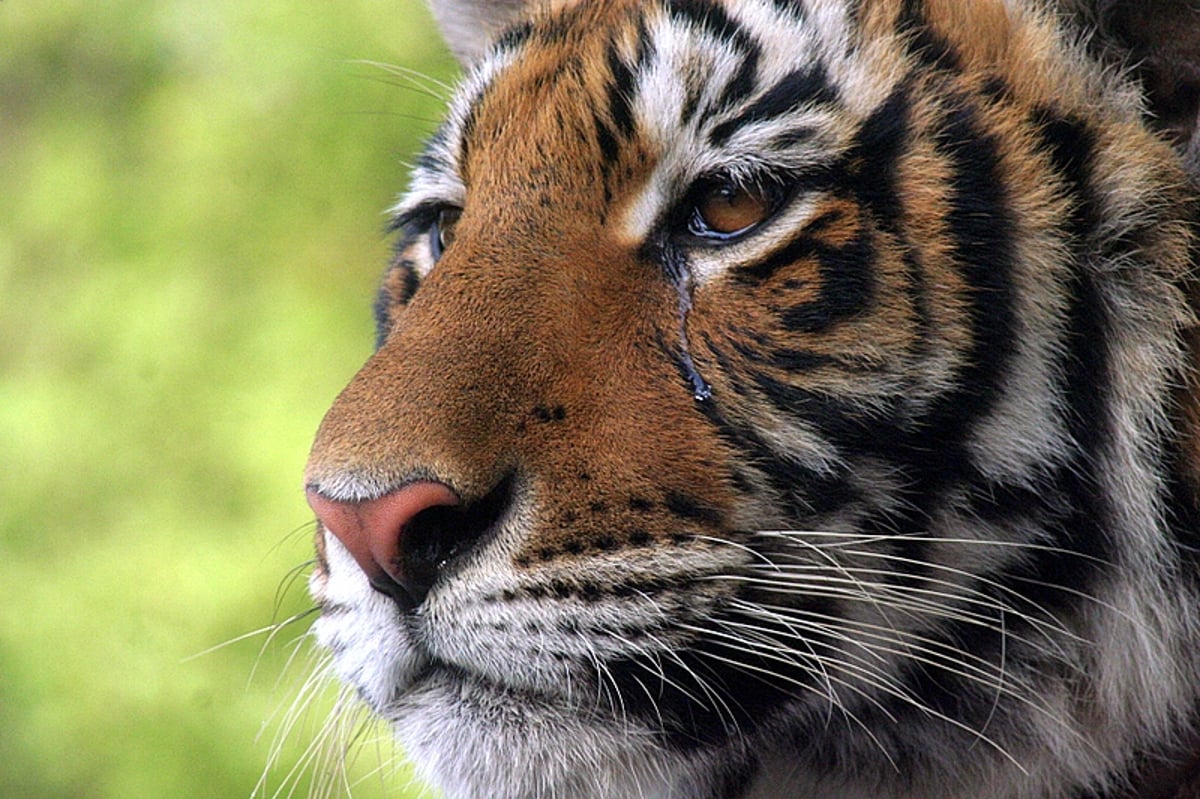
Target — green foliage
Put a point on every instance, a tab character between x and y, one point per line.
190	231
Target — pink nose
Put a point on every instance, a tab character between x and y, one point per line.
376	533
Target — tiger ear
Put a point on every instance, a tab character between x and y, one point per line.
469	26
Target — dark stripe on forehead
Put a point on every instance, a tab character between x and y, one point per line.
741	85
712	19
794	91
620	92
795	8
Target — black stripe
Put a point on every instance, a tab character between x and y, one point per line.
1088	381
804	492
1070	143
712	19
929	48
609	149
620	92
791	138
385	301
981	226
794	8
688	507
691	103
795	360
878	147
432	158
852	428
514	37
911	17
742	84
847	281
801	247
804	245
1069	504
646	47
794	91
1183	505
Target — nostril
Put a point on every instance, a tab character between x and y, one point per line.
375	531
440	534
404	539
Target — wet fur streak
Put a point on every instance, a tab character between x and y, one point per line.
890	494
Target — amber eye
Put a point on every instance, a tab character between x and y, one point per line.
725	210
441	233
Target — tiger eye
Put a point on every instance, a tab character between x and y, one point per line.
442	232
726	210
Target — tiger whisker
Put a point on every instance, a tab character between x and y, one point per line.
412	78
902	638
848	538
886	687
968	595
833	702
1058	626
279	628
1054	622
939	655
288	582
715	700
318	677
770	648
919	608
269	630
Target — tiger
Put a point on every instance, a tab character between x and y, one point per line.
778	399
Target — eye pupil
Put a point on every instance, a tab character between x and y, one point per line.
725	210
442	234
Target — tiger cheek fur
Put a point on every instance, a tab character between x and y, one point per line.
774	399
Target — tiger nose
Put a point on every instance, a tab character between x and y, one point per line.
378	534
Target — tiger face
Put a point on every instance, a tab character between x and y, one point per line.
774	399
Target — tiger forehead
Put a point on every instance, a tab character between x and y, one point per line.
617	108
610	111
554	127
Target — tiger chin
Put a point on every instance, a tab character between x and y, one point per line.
779	399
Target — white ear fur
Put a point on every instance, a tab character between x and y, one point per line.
469	26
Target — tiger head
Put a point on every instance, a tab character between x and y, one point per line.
773	398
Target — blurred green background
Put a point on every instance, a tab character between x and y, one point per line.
191	201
